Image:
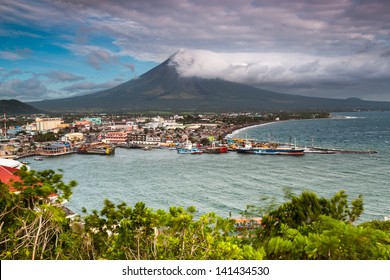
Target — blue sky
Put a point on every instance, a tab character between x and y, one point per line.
55	49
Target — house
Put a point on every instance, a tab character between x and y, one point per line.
7	176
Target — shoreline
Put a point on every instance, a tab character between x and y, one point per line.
234	132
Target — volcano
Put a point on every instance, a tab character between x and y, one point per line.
163	89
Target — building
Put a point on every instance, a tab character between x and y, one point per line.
152	139
9	149
56	149
46	124
93	121
135	138
74	137
116	137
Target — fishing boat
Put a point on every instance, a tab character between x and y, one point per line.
38	158
188	148
216	150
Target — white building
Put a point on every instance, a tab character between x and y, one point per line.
45	124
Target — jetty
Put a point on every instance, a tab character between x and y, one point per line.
318	150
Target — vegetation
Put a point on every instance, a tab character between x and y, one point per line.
45	137
304	227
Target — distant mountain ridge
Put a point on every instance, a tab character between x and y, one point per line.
163	89
15	107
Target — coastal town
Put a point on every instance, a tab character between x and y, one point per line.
42	136
46	135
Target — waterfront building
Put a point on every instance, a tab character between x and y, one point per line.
46	124
9	149
55	149
117	137
152	139
137	137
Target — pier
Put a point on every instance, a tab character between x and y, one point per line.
318	150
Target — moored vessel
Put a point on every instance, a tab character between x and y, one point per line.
267	150
188	148
98	148
216	150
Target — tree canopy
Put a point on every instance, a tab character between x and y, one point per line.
306	226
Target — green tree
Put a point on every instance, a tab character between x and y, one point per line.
329	239
31	226
45	137
308	208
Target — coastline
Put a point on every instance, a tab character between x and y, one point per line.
241	129
234	132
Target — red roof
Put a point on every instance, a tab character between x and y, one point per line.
7	176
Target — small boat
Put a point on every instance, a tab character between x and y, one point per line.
216	150
193	151
189	149
25	162
38	158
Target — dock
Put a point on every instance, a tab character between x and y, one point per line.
318	150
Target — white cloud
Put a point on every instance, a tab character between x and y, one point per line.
10	55
289	72
60	76
89	87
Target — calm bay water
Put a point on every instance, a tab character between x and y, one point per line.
228	182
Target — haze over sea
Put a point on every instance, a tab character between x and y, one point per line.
229	182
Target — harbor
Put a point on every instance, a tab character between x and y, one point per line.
219	178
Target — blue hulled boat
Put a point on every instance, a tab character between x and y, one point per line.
290	151
189	149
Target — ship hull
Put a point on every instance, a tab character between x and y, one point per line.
270	151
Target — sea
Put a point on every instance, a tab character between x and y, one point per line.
227	183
